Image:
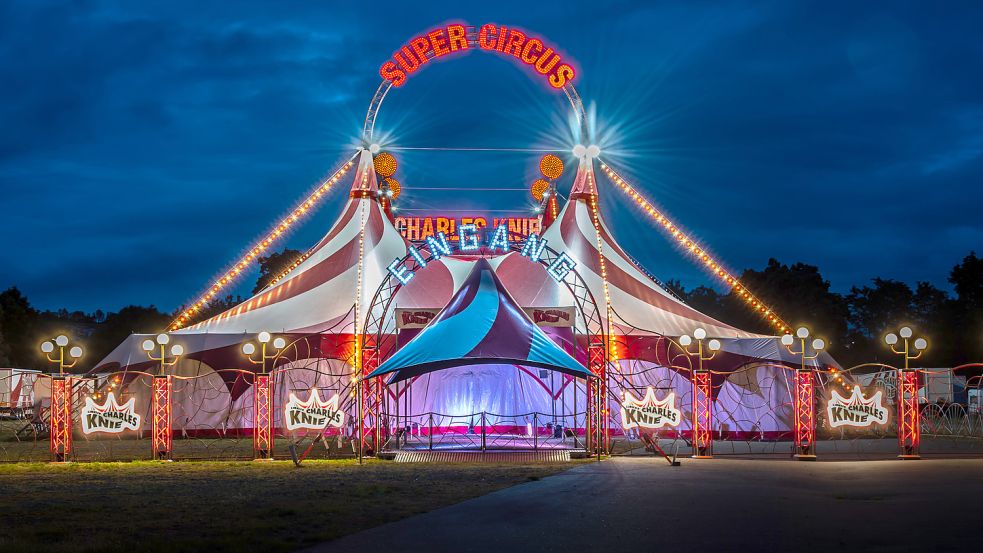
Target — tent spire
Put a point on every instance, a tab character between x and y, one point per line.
366	184
584	184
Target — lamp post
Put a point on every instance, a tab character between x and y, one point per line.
161	434
263	394
60	420
909	425
805	393
702	394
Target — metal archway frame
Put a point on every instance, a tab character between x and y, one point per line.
378	341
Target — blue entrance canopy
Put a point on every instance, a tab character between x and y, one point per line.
481	324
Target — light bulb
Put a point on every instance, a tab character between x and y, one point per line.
148	345
374	148
714	344
685	340
787	340
699	334
921	344
279	342
905	332
263	337
62	340
802	332
579	150
891	339
163	339
248	348
47	347
593	150
177	350
818	344
75	352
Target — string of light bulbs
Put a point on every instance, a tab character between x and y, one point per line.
691	246
278	231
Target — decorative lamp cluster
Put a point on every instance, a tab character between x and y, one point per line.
61	342
551	166
258	248
699	253
539	189
385	164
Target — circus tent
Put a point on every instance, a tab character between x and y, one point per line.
316	304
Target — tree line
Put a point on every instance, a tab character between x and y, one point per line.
853	324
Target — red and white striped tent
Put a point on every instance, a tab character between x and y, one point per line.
320	305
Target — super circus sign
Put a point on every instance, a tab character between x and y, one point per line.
490	37
856	410
110	416
313	414
649	412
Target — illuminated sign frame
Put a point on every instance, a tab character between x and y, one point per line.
649	412
312	414
453	38
110	417
856	411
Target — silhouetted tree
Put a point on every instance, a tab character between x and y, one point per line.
967	310
18	325
272	265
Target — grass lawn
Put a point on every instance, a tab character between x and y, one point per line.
227	506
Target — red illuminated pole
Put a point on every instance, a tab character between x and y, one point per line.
60	421
596	399
702	416
804	416
161	433
263	417
702	391
909	423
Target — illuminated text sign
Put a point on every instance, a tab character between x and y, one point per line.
416	229
110	416
856	410
313	414
442	41
649	412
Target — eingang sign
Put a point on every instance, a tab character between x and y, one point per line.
449	39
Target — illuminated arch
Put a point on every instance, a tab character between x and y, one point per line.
380	94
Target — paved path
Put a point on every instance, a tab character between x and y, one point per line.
642	504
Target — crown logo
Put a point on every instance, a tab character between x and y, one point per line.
110	416
313	414
856	410
649	412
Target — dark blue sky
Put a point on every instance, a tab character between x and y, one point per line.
144	144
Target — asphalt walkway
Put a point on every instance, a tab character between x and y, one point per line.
642	504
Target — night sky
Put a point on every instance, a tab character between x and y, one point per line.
145	144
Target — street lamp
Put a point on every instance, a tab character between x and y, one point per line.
61	342
702	398
263	338
909	425
177	350
161	434
805	387
263	393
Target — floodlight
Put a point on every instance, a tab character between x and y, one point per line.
579	150
374	148
593	150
